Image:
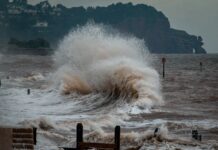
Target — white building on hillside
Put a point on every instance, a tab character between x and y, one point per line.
41	24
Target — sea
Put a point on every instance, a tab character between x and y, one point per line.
102	88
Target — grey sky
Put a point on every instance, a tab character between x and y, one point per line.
198	17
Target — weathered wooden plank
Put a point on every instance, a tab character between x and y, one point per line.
23	140
80	145
22	130
16	138
96	145
5	139
22	135
23	146
68	148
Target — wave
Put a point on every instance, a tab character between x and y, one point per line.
97	59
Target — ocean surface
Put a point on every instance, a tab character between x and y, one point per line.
190	102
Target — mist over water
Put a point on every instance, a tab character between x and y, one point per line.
93	60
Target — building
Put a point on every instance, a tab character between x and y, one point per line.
41	24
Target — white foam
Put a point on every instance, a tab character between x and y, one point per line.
91	59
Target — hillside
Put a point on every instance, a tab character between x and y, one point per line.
23	21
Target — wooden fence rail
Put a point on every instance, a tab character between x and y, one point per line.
17	138
81	145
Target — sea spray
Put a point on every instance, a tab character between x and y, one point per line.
41	123
92	59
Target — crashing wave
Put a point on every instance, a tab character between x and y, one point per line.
92	59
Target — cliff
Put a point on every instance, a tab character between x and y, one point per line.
25	22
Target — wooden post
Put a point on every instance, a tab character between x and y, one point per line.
195	134
117	138
200	137
155	132
163	62
28	91
79	135
201	65
34	135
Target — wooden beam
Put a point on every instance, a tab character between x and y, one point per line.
22	146
22	130
96	145
117	138
5	139
22	135
22	140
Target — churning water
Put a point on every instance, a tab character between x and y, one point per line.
102	78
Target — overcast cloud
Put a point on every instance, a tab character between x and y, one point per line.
198	17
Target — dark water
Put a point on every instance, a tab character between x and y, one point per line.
190	96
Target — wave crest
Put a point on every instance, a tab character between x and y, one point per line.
94	59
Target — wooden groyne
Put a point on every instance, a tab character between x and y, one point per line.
82	145
17	138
